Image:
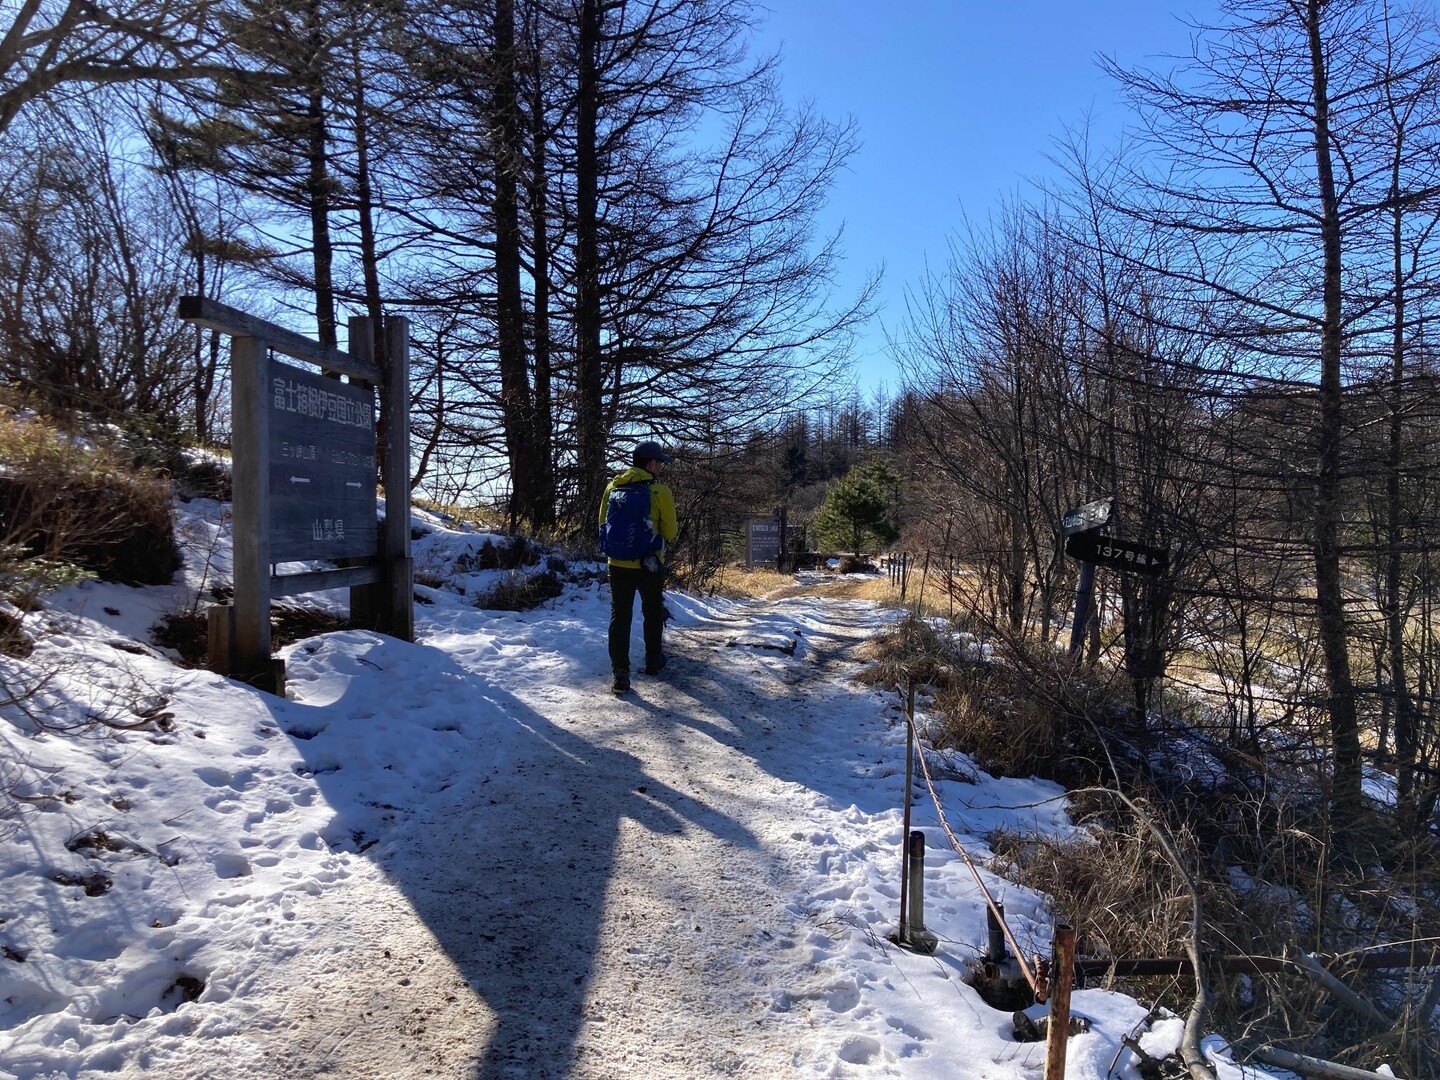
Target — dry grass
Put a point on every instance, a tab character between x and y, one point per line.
933	592
1117	890
520	591
67	502
480	517
738	583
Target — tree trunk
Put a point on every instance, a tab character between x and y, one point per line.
1329	592
590	436
317	185
1406	725
365	202
515	400
545	496
369	256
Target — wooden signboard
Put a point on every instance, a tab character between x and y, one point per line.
762	543
322	466
303	476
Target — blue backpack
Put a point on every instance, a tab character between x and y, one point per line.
626	532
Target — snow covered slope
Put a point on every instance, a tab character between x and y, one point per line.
465	858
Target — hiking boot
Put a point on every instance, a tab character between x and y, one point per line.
621	685
655	666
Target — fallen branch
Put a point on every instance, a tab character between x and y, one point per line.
1309	1066
1342	993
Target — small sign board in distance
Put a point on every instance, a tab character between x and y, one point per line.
322	466
1091	515
762	542
1118	554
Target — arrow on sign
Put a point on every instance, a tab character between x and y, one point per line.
299	479
1120	554
353	483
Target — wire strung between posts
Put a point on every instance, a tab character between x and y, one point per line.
1015	949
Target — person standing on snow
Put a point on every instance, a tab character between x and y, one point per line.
637	522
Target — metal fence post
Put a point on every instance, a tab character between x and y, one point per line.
904	932
921	940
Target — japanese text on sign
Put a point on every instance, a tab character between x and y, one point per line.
1108	551
292	396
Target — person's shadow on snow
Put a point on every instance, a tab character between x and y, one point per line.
511	869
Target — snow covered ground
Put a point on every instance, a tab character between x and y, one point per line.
465	858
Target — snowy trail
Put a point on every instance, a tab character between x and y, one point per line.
464	858
616	899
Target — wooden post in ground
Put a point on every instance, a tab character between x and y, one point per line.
399	568
250	481
1062	975
220	638
365	600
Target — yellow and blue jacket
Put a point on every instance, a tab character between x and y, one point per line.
662	510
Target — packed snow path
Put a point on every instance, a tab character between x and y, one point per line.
615	898
464	858
605	901
592	887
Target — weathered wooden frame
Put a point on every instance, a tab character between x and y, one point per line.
381	590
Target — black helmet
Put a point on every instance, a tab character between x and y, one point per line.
650	451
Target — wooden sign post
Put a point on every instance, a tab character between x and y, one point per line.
303	481
763	543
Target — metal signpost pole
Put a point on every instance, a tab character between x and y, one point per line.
1087	518
1084	593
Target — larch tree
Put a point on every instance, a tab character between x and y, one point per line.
1259	168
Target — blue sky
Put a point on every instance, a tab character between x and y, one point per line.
958	104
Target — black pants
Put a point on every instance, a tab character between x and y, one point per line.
625	582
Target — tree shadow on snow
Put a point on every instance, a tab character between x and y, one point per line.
510	864
786	721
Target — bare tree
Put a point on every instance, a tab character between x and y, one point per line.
53	44
1261	171
92	267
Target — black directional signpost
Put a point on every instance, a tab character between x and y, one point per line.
1084	541
1091	547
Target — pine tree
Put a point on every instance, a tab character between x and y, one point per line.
858	508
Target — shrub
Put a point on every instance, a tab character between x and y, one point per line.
187	632
520	592
195	473
72	503
916	649
511	553
1025	712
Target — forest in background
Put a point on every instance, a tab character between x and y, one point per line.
598	217
600	220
